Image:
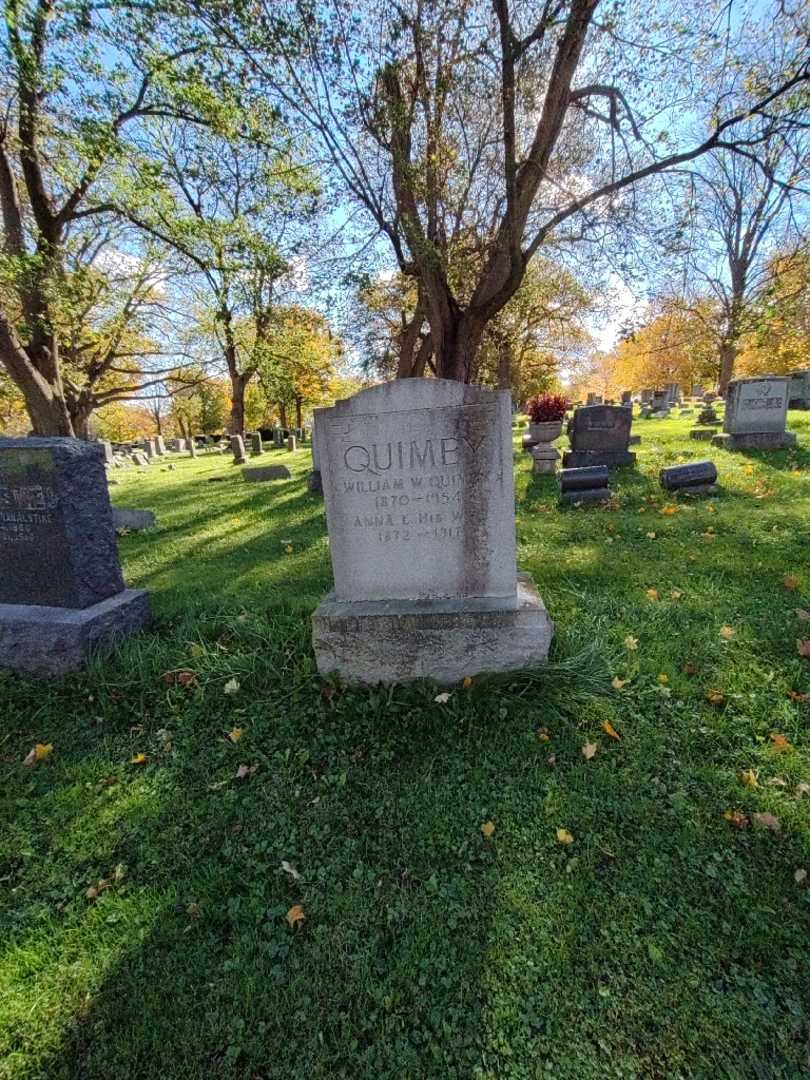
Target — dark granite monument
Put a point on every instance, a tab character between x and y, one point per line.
600	435
61	589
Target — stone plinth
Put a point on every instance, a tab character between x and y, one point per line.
755	440
396	641
418	483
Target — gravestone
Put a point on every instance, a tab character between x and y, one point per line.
594	399
256	443
291	443
61	590
756	411
278	439
420	507
697	390
800	389
673	392
587	484
600	435
109	457
314	480
139	458
150	448
160	446
646	397
238	450
697	477
266	472
192	448
133	520
627	397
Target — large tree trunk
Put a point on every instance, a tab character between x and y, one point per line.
299	420
238	384
282	414
728	354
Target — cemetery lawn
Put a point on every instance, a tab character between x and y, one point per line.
470	895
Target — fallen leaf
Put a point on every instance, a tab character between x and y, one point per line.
749	778
791	582
138	759
715	697
288	868
295	915
803	647
183	677
467	682
653	594
551	760
631	643
663	678
727	632
669	510
589	750
193	910
231	686
442	699
610	730
802	615
38	752
794	695
235	734
767	821
690	669
780	743
800	876
488	828
676	594
289	550
802	790
564	836
543	735
245	770
618	683
737	819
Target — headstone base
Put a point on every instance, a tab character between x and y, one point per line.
756	440
397	641
582	459
588	495
50	641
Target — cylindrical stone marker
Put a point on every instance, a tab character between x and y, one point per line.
584	479
695	474
291	443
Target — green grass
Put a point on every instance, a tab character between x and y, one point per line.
664	942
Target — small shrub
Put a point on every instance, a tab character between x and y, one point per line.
546	407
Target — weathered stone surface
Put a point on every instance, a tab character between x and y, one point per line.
237	448
396	641
800	389
266	472
52	641
613	459
757	405
278	439
584	479
693	474
133	520
417	477
109	457
755	440
292	444
544	459
57	542
315	482
256	443
140	459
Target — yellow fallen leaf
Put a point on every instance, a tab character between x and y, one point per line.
618	683
791	582
138	759
235	734
727	632
295	915
38	752
289	550
737	818
749	778
669	510
663	678
780	743
653	594
467	682
631	642
564	836
676	594
589	749
610	730
543	735
650	535
715	697
488	828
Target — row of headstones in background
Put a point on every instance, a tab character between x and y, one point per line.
61	589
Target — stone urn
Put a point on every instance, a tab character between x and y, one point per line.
544	456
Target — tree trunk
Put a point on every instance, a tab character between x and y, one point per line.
299	422
238	384
504	365
282	414
728	354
